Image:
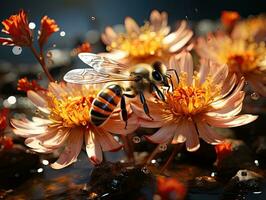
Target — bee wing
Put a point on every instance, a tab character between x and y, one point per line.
102	64
90	76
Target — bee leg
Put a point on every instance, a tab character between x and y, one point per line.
173	70
145	105
158	91
124	110
171	82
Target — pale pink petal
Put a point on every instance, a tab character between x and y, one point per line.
93	148
163	135
186	65
155	19
226	122
150	123
173	37
208	134
220	74
106	140
116	125
131	25
38	101
230	83
192	138
181	42
115	55
110	33
58	139
204	70
71	151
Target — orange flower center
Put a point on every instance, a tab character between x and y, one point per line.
71	111
188	100
242	62
145	43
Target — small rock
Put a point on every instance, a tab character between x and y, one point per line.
119	181
243	182
234	156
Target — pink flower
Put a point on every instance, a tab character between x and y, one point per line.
67	124
201	100
148	43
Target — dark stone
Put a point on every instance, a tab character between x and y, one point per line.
243	183
16	165
120	181
240	157
203	183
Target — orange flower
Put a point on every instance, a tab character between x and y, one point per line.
17	27
252	29
67	124
3	120
25	85
229	18
6	143
48	27
170	188
148	43
198	102
222	150
244	58
84	47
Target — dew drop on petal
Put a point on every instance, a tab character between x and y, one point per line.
163	147
255	96
93	18
256	163
40	170
17	50
153	161
145	170
136	139
32	25
62	33
54	45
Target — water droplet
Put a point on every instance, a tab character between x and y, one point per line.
45	162
136	139
213	174
62	33
49	54
145	170
153	161
40	170
54	45
257	192
255	96
196	10
17	50
93	18
256	163
163	147
186	17
32	25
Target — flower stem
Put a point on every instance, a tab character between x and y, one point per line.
128	148
41	60
177	148
153	154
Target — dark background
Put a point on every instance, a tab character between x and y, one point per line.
74	16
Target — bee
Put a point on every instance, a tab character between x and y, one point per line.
125	81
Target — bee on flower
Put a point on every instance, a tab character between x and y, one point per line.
244	58
201	100
66	124
148	43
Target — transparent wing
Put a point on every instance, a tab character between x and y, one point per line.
90	76
102	64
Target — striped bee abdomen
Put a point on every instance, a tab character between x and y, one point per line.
104	104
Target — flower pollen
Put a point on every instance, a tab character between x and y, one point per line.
145	43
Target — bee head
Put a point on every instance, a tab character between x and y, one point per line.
159	73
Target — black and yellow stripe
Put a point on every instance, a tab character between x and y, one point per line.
105	103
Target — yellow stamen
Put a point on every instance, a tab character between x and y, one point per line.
147	42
